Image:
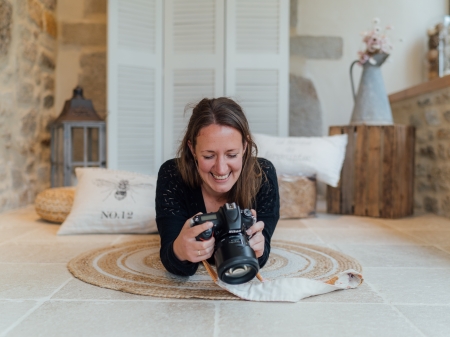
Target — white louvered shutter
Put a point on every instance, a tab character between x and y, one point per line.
257	62
135	47
193	61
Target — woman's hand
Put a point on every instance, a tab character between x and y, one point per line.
257	238
187	248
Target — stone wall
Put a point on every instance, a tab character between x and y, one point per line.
82	51
28	33
430	114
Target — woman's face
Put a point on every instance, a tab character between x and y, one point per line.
219	151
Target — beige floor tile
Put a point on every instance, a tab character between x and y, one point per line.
298	235
122	318
397	255
48	234
431	320
422	222
333	221
79	290
362	294
445	248
434	237
10	232
31	281
369	236
11	311
410	285
291	223
44	252
20	216
312	319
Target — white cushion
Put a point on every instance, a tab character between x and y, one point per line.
110	201
305	156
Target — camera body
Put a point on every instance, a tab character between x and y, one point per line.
235	260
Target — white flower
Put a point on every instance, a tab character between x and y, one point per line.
376	21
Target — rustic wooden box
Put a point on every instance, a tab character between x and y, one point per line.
377	177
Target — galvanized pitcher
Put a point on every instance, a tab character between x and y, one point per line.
371	102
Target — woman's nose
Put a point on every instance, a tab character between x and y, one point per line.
221	165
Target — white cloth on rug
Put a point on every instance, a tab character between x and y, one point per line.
292	289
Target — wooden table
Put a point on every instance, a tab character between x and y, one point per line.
377	178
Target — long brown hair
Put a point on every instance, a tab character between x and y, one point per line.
222	111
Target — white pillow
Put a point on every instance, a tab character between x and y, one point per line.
110	201
322	156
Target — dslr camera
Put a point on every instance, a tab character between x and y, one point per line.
235	260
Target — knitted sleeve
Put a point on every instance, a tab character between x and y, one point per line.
267	205
171	214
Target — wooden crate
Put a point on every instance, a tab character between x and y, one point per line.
377	178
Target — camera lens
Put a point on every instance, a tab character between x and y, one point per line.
235	260
237	271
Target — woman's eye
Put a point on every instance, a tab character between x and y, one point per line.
210	157
232	155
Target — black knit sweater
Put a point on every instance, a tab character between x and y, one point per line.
176	202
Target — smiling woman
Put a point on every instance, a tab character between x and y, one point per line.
216	164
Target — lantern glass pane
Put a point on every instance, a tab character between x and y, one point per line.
77	144
59	175
59	146
93	144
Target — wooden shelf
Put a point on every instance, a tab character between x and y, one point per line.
439	83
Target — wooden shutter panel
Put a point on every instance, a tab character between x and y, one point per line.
194	61
135	49
257	62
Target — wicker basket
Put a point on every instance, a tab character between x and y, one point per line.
297	196
54	204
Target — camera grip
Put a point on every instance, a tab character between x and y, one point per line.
203	236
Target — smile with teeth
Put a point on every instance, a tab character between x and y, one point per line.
221	177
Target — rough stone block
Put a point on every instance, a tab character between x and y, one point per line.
5	26
305	114
83	33
447	115
30	51
47	61
443	134
50	24
317	47
95	7
18	180
49	101
25	93
428	152
50	4
430	204
432	117
424	101
29	124
49	82
415	121
35	12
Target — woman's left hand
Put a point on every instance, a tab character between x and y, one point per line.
257	238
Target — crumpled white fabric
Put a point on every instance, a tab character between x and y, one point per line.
292	289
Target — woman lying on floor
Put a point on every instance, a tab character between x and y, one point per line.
216	164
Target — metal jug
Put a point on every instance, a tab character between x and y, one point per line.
371	102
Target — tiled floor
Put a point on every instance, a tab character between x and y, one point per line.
406	291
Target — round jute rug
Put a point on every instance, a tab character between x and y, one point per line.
135	267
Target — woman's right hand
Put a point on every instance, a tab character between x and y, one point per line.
187	248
